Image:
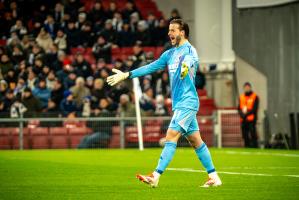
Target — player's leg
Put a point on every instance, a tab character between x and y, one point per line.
253	135
245	134
203	153
172	136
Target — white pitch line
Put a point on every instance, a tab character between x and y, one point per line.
262	153
230	173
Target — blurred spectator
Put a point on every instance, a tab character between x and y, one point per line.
200	80
126	108
147	101
44	39
11	79
5	65
86	110
103	109
17	54
161	109
36	52
129	9
139	55
60	40
98	14
70	80
21	85
86	35
73	34
82	17
134	18
19	28
161	33
57	93
68	105
174	15
51	56
51	80
79	91
162	86
111	10
125	36
98	91
50	26
58	12
32	79
102	49
117	21
3	88
32	104
8	100
81	66
73	7
42	93
142	33
109	33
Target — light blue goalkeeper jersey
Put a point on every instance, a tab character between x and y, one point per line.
183	91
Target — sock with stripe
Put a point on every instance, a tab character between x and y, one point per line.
204	156
166	156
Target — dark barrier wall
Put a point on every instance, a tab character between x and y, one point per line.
268	38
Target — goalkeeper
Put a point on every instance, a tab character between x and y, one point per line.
182	62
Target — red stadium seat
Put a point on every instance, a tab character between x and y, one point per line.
59	138
5	138
76	135
40	138
15	138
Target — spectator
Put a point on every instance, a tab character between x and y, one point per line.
81	66
142	33
98	91
68	105
147	101
26	43
5	65
248	108
125	36
111	10
58	12
51	80
70	80
174	15
102	49
57	93
32	104
161	33
11	79
38	66
126	108
134	19
57	64
36	52
79	91
73	7
17	54
129	9
160	110
32	79
21	85
3	88
19	28
8	100
103	109
139	55
162	86
44	40
86	35
117	21
42	93
98	14
82	17
51	56
72	34
61	40
109	33
50	26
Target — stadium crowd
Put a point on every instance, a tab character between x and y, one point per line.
37	71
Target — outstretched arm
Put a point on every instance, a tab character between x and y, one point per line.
147	69
150	68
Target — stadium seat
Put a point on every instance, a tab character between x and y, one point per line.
15	138
59	138
115	139
5	138
40	138
76	135
74	123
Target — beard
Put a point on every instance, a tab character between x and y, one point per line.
177	40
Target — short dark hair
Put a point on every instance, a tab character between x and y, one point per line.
183	26
247	84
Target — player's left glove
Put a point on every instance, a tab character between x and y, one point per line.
184	70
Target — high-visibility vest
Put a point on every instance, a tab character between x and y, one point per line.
247	103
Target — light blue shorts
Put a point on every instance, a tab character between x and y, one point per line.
184	121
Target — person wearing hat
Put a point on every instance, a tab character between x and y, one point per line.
32	104
248	108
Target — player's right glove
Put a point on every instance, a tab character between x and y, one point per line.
118	77
184	70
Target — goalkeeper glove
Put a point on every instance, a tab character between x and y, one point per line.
184	70
118	77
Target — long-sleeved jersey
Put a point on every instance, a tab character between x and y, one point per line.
183	91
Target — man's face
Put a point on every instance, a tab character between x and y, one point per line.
175	34
247	88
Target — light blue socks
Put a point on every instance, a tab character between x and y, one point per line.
204	156
166	156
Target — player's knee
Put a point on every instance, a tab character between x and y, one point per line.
172	136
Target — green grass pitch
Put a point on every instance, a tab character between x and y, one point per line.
110	174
